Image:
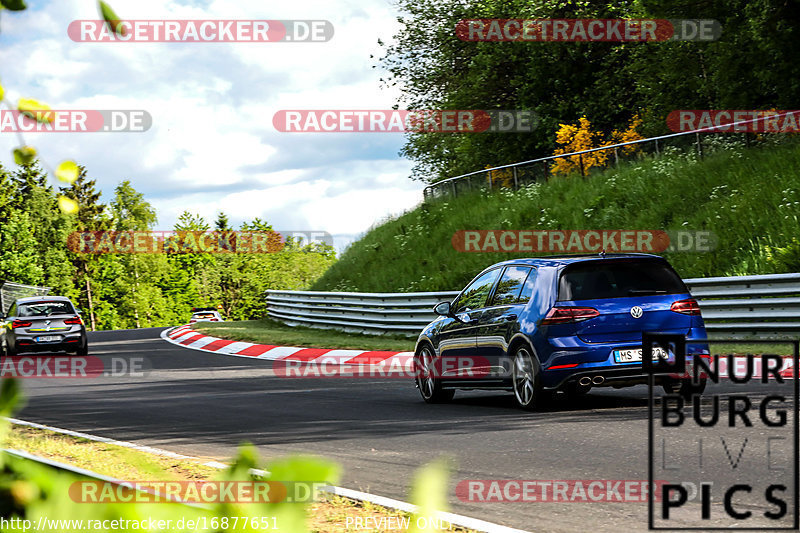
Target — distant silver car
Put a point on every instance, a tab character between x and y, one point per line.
43	324
205	315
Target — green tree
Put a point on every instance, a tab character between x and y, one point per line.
222	223
191	275
33	249
139	299
90	217
130	211
749	67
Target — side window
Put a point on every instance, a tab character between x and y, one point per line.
510	285
528	288
474	296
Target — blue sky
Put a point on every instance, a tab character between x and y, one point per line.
212	146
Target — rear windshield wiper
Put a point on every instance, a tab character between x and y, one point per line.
637	292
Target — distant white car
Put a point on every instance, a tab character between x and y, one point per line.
206	315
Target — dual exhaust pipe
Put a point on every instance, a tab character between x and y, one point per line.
586	381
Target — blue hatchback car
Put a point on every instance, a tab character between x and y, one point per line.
536	326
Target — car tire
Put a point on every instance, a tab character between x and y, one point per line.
526	379
83	350
429	387
685	387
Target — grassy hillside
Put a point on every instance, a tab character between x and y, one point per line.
749	197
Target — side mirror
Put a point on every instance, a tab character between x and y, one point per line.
443	309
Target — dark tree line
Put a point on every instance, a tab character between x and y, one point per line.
135	290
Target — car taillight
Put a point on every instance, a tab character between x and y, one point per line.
214	320
20	324
74	320
568	315
686	307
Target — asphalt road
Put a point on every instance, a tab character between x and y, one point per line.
380	431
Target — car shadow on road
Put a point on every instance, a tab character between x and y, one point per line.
560	403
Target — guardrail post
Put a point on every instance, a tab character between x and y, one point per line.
516	183
546	170
657	152
699	146
616	157
580	162
453	183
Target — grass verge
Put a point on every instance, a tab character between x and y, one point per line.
747	197
271	332
785	349
329	515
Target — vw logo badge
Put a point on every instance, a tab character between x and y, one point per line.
636	311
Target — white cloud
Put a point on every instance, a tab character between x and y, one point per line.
212	146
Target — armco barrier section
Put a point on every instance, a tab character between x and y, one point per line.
749	306
404	313
734	307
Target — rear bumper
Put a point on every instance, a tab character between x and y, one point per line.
615	377
28	344
598	360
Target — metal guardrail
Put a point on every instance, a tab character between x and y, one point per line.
404	313
733	307
534	170
765	306
10	292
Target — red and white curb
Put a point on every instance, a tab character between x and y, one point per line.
188	338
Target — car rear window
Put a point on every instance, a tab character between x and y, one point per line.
204	315
597	280
45	309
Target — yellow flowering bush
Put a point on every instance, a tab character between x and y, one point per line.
576	138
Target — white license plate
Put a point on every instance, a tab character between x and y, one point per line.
635	355
48	338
